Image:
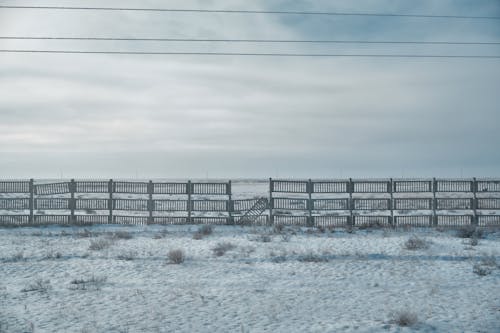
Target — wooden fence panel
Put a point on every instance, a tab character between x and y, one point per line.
330	204
170	188
133	220
371	204
371	186
454	220
14	186
443	185
412	186
290	220
488	203
328	221
330	186
130	204
413	221
51	219
91	187
222	220
211	188
488	185
14	220
53	188
52	203
92	204
289	186
170	220
489	220
454	203
371	220
209	205
130	187
14	204
289	203
413	203
170	205
91	219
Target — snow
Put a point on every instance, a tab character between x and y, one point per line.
359	281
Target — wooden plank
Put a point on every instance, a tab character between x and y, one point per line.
210	188
130	187
14	203
52	203
52	188
412	186
170	188
289	203
290	186
339	186
9	186
130	204
412	203
170	205
330	204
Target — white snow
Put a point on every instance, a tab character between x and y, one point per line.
361	280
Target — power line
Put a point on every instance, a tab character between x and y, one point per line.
317	55
313	41
279	12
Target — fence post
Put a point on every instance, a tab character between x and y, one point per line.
271	219
110	201
32	200
150	201
391	203
230	206
351	203
310	222
72	202
474	201
189	192
434	202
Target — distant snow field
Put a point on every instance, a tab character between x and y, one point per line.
246	279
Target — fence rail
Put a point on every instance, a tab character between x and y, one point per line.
353	202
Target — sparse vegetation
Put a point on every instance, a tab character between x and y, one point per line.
221	248
92	282
127	255
481	270
405	318
99	244
206	229
311	257
470	231
39	285
176	256
416	243
122	235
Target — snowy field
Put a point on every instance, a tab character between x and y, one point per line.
121	279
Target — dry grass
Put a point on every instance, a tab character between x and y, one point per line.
416	243
176	256
405	318
221	248
100	244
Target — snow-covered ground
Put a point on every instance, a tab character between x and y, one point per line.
298	280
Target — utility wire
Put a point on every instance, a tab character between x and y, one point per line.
280	12
318	55
313	41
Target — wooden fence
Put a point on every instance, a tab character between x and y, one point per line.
320	203
385	202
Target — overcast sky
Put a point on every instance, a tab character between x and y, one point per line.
229	117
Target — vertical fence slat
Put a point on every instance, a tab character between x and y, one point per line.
32	200
189	207
110	202
72	203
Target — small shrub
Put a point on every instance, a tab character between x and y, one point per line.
89	283
490	261
206	229
197	236
161	234
416	243
474	241
99	244
85	233
311	257
481	270
39	285
285	237
470	232
122	235
221	248
264	238
405	318
176	256
128	255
